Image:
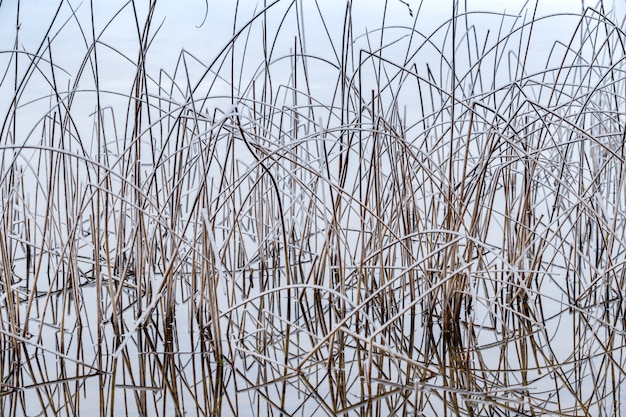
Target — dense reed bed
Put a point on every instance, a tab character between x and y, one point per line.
316	219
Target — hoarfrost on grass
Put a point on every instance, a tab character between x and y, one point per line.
334	209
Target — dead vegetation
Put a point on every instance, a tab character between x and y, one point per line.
433	232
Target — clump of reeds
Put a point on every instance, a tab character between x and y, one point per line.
382	222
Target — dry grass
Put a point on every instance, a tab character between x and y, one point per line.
439	232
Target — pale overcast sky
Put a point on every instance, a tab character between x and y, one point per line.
184	26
